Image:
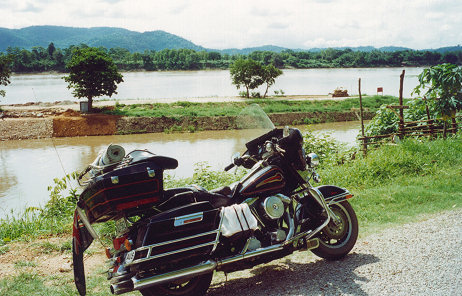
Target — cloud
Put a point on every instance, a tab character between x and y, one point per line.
278	26
243	23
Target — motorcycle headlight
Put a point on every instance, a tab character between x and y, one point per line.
313	159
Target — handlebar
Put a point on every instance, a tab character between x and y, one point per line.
230	166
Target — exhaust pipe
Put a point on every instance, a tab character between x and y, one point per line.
122	287
186	273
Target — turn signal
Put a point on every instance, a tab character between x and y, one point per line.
128	245
108	253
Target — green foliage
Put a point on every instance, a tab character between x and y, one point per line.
205	177
442	84
5	71
54	218
63	197
246	73
323	145
269	75
384	122
181	109
411	158
92	73
39	59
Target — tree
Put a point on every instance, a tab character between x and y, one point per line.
269	75
5	71
247	73
443	87
51	50
92	73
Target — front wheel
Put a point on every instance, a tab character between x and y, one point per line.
193	287
337	240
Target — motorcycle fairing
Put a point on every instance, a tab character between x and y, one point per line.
264	182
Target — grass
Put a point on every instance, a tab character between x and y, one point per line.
392	185
189	109
396	184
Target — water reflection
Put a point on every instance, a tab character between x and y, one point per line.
28	167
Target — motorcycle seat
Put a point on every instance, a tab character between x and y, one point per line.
181	196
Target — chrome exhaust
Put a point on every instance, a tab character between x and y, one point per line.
122	287
185	273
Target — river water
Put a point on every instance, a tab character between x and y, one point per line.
216	83
28	167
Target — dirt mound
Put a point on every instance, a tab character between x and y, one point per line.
73	124
70	113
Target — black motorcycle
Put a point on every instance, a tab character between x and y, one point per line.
172	240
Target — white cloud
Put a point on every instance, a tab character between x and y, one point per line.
242	23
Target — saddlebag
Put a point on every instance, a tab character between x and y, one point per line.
124	191
182	235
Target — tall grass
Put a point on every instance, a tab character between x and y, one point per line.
394	184
190	109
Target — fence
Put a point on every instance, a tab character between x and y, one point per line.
424	128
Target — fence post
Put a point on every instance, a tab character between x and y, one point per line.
362	118
430	121
401	111
454	125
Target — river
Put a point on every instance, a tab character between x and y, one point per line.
216	83
28	167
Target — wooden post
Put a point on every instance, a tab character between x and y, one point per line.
362	118
430	121
401	113
454	125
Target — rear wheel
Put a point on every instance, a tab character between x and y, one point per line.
337	239
195	286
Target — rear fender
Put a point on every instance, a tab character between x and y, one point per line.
334	194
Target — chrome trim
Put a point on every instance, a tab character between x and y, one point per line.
180	251
250	254
218	230
150	247
87	224
122	287
188	219
185	273
120	278
176	240
332	200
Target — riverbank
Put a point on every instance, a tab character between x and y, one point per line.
412	200
62	119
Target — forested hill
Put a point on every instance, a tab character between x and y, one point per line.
63	37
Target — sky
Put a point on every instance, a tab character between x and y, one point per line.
220	24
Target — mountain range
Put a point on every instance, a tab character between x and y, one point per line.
109	37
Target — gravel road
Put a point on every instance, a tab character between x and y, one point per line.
421	258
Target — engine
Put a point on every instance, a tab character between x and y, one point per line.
270	214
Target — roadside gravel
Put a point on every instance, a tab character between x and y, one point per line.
421	258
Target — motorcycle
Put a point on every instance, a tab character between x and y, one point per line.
172	240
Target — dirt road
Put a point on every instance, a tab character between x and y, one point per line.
422	258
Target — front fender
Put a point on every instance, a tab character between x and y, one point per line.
334	194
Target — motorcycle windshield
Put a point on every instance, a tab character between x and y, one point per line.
253	117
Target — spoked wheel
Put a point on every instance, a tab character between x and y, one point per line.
195	286
337	239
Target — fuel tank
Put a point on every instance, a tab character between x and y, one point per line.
264	182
